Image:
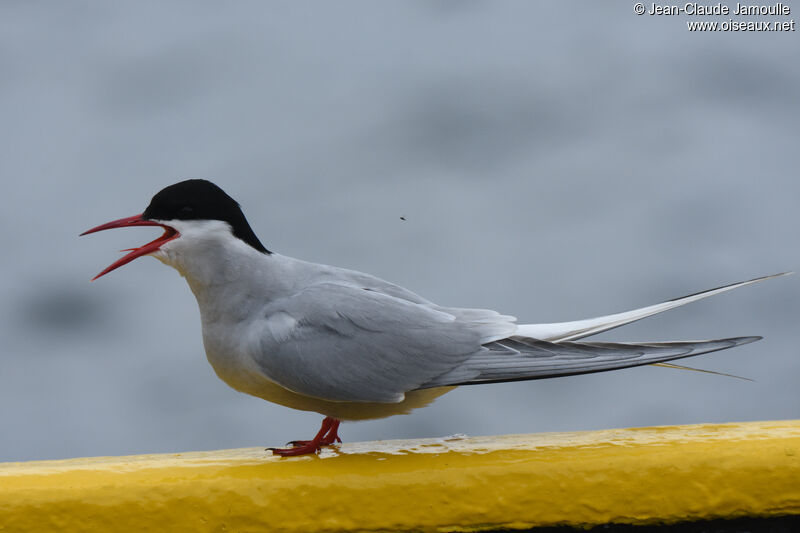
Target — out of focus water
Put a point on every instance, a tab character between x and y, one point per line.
553	161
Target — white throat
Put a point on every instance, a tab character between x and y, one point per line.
221	269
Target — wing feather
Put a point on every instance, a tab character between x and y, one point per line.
359	345
364	340
520	358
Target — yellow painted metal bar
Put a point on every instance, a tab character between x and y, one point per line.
635	476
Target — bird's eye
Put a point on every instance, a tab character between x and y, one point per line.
186	211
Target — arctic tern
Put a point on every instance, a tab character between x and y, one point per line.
352	346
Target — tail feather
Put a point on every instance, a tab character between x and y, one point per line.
539	351
570	331
692	369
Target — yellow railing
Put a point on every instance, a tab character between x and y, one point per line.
635	476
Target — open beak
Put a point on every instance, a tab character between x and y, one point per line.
136	220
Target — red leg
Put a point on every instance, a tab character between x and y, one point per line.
330	437
327	434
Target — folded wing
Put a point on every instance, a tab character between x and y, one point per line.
519	358
340	342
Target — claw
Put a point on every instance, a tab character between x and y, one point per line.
327	435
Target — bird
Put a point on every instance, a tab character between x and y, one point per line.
352	346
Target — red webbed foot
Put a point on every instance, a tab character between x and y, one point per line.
328	434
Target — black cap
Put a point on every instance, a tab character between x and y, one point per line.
198	199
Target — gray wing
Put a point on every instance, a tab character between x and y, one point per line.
339	342
520	358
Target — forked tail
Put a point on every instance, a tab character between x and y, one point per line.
540	351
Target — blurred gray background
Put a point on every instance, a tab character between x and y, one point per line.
552	160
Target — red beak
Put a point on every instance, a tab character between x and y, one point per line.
150	247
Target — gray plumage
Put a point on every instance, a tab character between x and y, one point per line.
350	345
361	339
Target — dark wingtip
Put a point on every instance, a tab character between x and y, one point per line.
740	341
